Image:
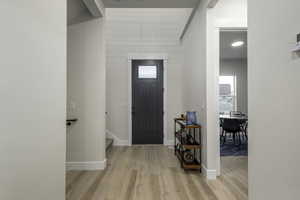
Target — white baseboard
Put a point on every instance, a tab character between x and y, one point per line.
210	174
121	143
117	141
86	166
169	142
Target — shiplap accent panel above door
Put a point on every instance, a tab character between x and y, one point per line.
149	25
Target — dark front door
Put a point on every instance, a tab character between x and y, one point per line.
147	102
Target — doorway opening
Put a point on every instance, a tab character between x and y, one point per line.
233	101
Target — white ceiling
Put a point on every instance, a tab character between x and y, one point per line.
148	25
227	51
150	3
77	11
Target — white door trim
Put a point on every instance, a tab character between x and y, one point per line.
154	56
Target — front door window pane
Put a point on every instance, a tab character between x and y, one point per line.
147	72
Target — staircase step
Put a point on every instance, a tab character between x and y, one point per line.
109	143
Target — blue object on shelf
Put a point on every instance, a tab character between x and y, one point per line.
191	118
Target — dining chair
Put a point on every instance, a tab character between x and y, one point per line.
221	128
245	129
231	126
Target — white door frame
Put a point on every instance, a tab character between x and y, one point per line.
154	56
229	26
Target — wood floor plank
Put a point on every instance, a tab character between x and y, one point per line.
155	187
193	188
154	173
92	189
72	179
131	185
180	187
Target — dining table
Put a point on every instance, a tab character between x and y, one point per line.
239	117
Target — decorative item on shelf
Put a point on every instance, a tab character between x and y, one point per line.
183	117
190	140
188	156
191	118
184	139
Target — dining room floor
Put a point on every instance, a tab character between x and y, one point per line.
154	173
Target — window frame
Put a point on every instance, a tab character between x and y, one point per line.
147	75
233	94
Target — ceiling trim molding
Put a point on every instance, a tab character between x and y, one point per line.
96	7
186	27
150	3
211	4
142	43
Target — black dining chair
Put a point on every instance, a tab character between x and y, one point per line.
244	128
221	128
231	126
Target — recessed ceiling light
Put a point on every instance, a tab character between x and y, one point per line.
237	44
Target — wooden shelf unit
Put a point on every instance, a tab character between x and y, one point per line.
187	142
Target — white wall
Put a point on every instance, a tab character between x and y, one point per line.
194	73
33	96
86	94
274	160
226	14
237	67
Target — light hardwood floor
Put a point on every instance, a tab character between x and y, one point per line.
154	173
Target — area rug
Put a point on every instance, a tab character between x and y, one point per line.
230	149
